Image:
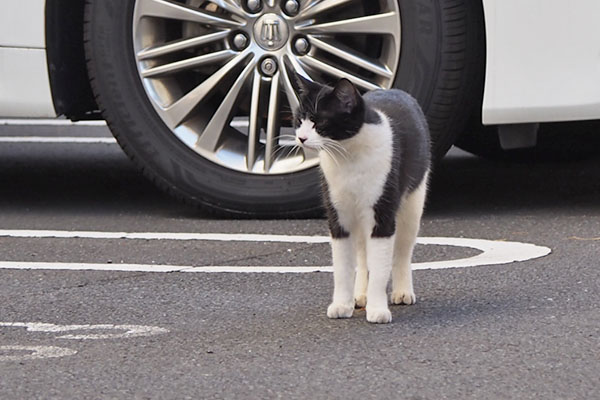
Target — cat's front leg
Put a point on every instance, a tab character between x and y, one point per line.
362	274
344	265
379	261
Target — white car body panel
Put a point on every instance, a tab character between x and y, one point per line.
543	61
22	23
24	84
24	81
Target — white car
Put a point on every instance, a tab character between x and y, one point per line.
198	92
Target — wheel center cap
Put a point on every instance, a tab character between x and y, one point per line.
271	32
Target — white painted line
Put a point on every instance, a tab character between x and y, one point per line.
50	122
33	352
223	237
90	266
493	252
62	139
274	269
122	331
67	122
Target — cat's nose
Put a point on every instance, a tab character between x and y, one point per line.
302	139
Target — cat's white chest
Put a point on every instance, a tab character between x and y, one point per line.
356	181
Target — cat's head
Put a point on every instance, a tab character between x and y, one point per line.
327	113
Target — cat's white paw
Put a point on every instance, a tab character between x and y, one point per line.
379	315
336	310
360	301
403	297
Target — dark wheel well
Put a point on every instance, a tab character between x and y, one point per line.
69	80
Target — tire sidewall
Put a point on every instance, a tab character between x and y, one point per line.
442	64
154	147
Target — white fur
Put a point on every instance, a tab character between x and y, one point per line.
355	185
356	177
407	223
379	262
344	264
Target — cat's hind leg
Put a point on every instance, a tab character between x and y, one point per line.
408	221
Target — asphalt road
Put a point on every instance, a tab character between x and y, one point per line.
524	330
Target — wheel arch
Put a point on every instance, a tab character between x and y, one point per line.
71	90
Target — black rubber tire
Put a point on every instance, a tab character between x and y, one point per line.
561	141
442	66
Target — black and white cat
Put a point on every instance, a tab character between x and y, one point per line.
375	157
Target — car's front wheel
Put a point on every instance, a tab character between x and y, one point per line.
199	92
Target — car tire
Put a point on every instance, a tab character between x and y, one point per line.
442	66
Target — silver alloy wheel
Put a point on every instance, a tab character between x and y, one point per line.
218	72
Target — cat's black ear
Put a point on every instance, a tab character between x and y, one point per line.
347	95
305	86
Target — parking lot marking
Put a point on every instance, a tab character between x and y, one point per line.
60	139
224	237
33	352
67	122
74	332
492	252
51	122
122	331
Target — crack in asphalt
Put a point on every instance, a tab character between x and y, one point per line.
227	261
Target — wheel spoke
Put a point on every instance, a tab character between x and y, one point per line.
178	111
371	24
171	10
231	6
352	56
254	123
222	117
286	82
331	70
298	68
179	45
272	122
190	63
318	7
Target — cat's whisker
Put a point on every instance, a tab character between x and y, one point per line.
342	155
339	152
295	150
337	148
285	136
329	152
279	151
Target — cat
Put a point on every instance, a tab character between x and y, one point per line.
375	159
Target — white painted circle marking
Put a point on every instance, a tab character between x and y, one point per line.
33	352
493	252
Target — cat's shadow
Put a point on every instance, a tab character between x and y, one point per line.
438	311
